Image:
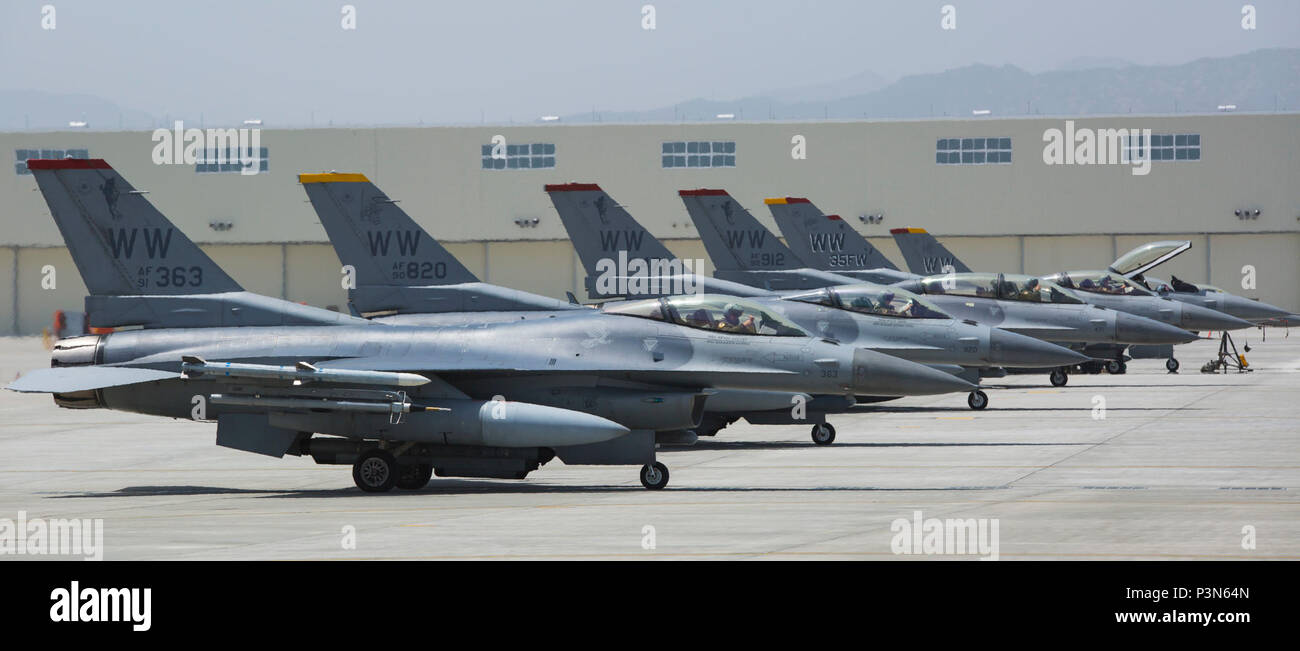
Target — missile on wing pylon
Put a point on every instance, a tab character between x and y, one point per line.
194	366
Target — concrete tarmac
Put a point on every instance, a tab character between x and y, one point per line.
1146	465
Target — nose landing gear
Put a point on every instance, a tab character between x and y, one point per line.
823	434
654	476
977	399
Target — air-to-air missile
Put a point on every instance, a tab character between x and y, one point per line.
586	387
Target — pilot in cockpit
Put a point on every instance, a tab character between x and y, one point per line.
732	322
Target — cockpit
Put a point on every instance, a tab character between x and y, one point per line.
1099	282
710	312
1007	287
870	299
1177	285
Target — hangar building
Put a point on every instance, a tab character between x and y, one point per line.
983	185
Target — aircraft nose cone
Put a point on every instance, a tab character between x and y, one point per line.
1204	319
1133	329
877	374
1242	307
1016	350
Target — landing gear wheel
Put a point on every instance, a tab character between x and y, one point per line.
823	434
1114	367
414	477
654	476
977	399
1172	365
375	472
1058	378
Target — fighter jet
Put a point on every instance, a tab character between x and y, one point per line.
1136	263
1102	288
1044	310
1031	319
398	403
363	223
889	320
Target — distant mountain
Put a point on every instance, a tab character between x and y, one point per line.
1263	80
41	111
1090	63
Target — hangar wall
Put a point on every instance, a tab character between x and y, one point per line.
1021	215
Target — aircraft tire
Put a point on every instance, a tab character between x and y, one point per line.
1114	367
1172	365
654	476
977	400
375	471
1058	378
823	434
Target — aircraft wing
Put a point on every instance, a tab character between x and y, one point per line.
67	379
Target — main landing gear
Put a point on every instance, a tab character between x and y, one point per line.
1116	367
654	476
375	471
977	399
823	434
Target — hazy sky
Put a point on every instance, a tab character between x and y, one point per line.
456	61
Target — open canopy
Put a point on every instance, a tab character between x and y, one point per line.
1149	255
710	312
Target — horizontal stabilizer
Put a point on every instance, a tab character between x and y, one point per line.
67	379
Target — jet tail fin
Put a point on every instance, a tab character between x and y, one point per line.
121	243
735	240
139	268
824	241
600	228
377	238
925	255
398	265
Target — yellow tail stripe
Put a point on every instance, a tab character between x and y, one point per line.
331	177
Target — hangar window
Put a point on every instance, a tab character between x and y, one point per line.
1164	146
972	151
21	156
231	159
698	153
531	156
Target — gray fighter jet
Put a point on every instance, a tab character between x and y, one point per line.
1136	263
1074	322
828	243
363	223
886	319
1044	310
398	403
1102	288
